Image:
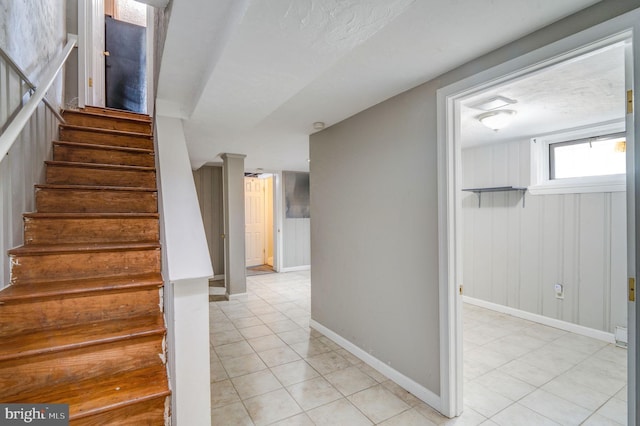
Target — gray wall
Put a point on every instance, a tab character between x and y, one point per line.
374	235
513	256
374	209
208	180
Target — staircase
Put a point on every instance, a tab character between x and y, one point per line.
81	322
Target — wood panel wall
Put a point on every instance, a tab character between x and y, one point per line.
20	169
296	243
208	181
296	237
513	256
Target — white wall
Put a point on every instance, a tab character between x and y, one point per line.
186	271
296	238
20	170
296	244
513	256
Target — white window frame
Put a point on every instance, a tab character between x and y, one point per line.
542	184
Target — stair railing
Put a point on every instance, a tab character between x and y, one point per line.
18	119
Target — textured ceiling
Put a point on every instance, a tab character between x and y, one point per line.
252	76
571	94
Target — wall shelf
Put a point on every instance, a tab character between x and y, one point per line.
479	191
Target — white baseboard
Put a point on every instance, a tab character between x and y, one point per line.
217	291
235	296
296	268
621	335
408	384
551	322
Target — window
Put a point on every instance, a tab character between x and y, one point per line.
598	156
585	160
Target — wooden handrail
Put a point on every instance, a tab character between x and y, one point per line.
10	135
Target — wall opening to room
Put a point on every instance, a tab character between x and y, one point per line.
536	245
259	222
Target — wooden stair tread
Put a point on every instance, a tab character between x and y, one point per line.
95	188
89	113
45	289
79	336
112	112
82	145
44	249
37	215
99	166
81	322
98	395
107	131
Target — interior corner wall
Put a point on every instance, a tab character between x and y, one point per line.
513	256
374	233
208	181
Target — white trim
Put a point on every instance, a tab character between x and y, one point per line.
82	53
149	35
449	304
408	384
296	268
449	181
613	183
621	335
540	319
278	221
539	148
236	296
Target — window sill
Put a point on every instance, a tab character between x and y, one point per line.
579	186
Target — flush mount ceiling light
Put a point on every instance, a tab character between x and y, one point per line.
496	120
318	125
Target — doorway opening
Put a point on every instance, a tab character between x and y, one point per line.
125	55
259	223
115	55
496	198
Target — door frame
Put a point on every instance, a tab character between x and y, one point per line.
450	180
90	59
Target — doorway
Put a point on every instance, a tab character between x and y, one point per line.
114	56
451	174
259	223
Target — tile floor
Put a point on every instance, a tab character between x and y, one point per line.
269	368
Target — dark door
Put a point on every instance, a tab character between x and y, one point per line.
125	74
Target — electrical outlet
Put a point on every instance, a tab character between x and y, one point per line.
559	289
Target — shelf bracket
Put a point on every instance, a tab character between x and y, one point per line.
479	191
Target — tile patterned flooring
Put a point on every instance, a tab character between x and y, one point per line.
269	368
